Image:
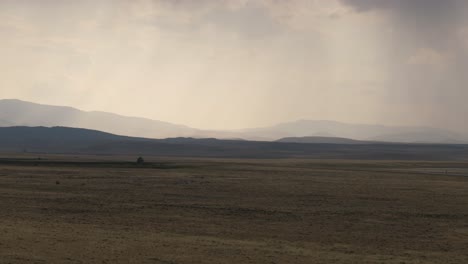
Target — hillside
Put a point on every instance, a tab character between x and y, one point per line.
325	128
20	113
60	140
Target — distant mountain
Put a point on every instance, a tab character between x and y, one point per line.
63	140
4	123
20	113
308	128
322	140
427	136
54	140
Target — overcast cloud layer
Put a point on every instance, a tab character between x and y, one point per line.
248	63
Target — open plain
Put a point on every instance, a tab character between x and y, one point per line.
68	209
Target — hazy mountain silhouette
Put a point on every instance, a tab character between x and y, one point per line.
426	136
322	140
21	113
5	123
307	128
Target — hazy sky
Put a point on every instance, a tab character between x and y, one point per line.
242	63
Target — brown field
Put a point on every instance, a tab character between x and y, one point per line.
232	211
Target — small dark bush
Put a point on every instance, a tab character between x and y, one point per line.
140	160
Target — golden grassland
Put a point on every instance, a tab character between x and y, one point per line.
63	209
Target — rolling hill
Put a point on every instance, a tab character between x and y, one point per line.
331	129
62	140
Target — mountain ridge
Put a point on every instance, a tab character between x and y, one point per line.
363	132
322	140
14	112
23	113
77	141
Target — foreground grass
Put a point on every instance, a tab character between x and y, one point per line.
233	211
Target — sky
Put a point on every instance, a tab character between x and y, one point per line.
229	64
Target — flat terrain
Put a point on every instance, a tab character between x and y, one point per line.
106	210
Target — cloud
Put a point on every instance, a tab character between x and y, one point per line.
411	6
279	60
419	16
429	57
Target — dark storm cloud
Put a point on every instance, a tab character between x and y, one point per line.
378	61
431	6
423	16
421	22
422	13
426	34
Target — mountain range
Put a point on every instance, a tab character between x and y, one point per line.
77	141
20	113
322	140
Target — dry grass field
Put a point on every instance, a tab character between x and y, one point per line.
232	211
